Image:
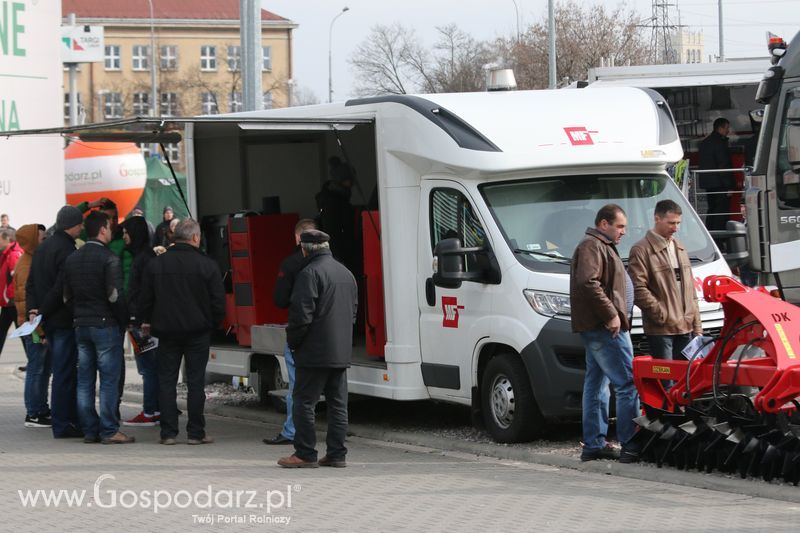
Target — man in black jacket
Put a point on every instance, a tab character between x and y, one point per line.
44	295
714	155
282	296
183	300
93	289
320	335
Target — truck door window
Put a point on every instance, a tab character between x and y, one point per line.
787	180
452	216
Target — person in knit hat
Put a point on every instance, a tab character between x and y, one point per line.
44	296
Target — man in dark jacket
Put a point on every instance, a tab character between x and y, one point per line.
320	335
282	296
183	300
160	236
93	289
714	155
44	295
601	297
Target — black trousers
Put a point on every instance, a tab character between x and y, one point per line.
8	316
717	203
309	384
170	354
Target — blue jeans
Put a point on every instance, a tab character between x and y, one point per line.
668	346
63	398
608	359
37	377
99	350
147	365
288	426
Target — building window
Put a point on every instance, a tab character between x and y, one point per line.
145	149
208	57
208	104
169	57
141	104
172	152
266	58
141	57
66	105
169	104
234	58
112	58
235	102
112	105
268	100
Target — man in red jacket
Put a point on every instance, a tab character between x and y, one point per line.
10	252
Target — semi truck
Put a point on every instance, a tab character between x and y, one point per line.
465	210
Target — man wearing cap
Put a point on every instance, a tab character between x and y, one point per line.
320	334
163	228
44	296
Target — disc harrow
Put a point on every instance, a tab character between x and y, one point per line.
735	410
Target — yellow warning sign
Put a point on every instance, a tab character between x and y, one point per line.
662	370
785	340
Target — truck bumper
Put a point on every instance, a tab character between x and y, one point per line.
556	362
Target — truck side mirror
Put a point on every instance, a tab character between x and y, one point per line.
451	260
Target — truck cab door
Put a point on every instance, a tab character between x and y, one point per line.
453	316
773	204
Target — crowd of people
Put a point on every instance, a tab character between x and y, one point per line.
88	281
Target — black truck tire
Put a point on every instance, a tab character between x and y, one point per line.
510	413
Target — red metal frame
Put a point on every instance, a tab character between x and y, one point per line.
775	329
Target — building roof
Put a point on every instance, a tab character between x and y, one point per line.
162	9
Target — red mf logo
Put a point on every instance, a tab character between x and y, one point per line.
450	309
579	135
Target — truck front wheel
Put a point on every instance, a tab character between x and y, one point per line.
509	408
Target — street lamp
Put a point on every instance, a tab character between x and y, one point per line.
153	91
344	10
516	10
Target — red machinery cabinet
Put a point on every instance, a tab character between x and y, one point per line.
374	315
258	244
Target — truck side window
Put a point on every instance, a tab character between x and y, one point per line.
452	217
787	180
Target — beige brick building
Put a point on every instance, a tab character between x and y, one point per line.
197	58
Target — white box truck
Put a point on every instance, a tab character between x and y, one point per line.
481	200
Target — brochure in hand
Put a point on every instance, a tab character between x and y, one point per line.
141	343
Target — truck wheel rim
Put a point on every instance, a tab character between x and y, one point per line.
502	402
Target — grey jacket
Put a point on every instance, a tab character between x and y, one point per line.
322	313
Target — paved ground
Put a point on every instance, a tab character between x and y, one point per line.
387	487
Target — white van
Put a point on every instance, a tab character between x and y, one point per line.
506	182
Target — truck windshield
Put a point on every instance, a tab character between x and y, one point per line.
543	220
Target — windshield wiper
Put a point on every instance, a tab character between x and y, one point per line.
558	258
695	259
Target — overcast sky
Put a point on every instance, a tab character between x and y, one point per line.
745	25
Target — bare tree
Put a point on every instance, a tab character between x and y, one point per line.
584	35
391	60
302	95
384	62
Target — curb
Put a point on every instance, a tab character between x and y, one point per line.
755	488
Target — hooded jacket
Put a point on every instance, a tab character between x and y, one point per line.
28	239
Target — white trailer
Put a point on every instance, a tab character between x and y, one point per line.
482	199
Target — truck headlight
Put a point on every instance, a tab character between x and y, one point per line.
549	303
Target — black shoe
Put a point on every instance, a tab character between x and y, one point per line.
590	454
22	368
279	439
91	439
333	461
39	421
629	455
70	433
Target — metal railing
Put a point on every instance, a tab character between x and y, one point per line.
696	195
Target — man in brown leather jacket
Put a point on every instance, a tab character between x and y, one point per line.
601	297
664	285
